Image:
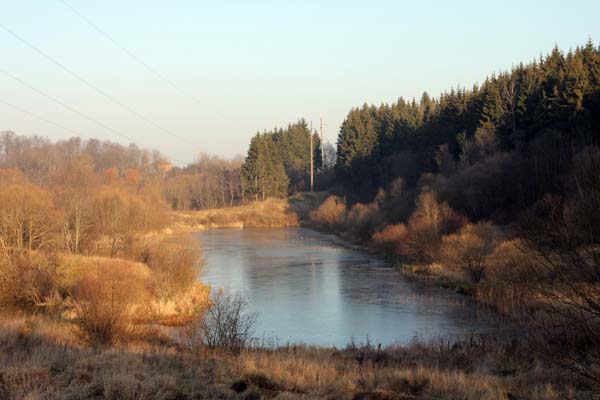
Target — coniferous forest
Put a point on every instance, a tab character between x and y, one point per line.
492	149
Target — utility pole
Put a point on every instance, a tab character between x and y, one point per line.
322	146
311	160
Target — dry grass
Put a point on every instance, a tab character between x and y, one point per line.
270	213
179	309
36	364
72	267
108	298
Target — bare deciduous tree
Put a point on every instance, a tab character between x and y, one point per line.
26	217
227	324
469	249
561	237
106	296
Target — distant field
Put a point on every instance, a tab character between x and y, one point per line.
271	213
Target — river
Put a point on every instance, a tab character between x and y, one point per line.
305	288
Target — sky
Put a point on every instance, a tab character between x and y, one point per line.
201	76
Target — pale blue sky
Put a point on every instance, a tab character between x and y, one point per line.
258	64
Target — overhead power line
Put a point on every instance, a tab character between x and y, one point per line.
66	106
48	121
102	32
92	86
24	111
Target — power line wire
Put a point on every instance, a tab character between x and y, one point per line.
66	106
40	117
92	86
124	49
79	134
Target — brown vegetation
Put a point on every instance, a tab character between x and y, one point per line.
560	239
107	296
42	359
26	220
81	247
331	214
226	324
393	239
430	221
266	214
470	248
174	263
81	240
27	280
543	270
210	182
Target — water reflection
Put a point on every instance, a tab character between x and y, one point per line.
306	289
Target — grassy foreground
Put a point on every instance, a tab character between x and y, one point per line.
42	359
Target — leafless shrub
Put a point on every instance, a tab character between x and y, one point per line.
11	176
106	297
481	146
363	220
393	239
469	249
331	214
507	287
175	264
227	324
430	221
27	280
561	238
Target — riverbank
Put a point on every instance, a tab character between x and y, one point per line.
296	211
272	213
42	360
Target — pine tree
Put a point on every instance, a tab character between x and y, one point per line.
250	168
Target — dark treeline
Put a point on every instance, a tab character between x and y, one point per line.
494	191
278	161
277	165
495	148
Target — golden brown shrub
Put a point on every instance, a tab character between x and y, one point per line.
175	264
429	223
108	295
509	276
331	214
469	249
26	280
363	220
393	239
